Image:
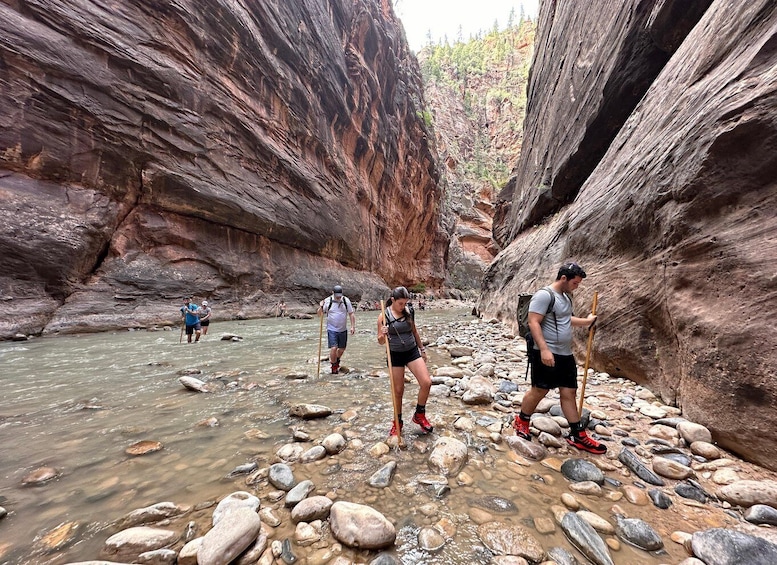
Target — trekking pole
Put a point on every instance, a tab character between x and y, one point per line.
591	332
391	379
320	339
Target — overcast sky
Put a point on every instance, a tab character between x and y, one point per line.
443	17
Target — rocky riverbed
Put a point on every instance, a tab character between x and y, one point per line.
336	492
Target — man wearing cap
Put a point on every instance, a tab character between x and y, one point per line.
205	317
338	309
190	315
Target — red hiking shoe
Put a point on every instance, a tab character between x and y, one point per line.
393	431
582	441
335	368
521	428
421	420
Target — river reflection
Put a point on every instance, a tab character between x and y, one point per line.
76	402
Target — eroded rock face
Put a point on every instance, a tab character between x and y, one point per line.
674	224
230	150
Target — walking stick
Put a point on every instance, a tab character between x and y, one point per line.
320	339
180	339
391	379
591	332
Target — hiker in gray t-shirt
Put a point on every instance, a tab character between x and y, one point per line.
551	359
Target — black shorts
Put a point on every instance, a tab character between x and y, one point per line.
204	323
190	329
563	374
402	358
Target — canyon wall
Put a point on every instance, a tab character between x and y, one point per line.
237	151
649	157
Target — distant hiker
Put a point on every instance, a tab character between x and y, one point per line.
281	309
552	363
397	324
338	309
190	316
205	313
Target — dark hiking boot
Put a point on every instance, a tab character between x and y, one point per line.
521	428
335	368
421	420
586	443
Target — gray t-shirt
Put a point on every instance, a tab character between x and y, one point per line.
557	325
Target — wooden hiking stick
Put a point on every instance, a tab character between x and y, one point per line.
391	378
591	332
180	339
320	339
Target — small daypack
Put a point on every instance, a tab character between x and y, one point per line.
523	313
523	322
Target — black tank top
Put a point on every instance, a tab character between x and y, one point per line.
400	332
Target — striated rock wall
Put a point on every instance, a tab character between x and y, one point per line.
240	151
675	224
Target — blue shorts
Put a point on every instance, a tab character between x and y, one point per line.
402	358
337	339
563	374
190	329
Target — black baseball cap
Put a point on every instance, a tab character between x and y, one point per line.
337	290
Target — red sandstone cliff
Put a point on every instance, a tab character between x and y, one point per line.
649	156
239	151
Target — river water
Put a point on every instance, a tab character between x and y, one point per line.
75	403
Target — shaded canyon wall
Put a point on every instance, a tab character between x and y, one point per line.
240	151
669	204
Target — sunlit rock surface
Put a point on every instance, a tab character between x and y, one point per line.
238	151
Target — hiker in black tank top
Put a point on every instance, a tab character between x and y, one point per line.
397	325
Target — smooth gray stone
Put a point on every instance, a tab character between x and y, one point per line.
630	442
672	422
638	468
281	477
761	514
579	470
720	546
637	532
385	559
680	458
382	477
562	556
287	555
584	537
507	387
687	490
298	493
660	498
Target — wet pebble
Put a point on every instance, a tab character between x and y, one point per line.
761	514
299	493
579	470
721	546
382	477
638	468
586	539
637	532
495	504
358	525
429	539
510	539
659	498
281	477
